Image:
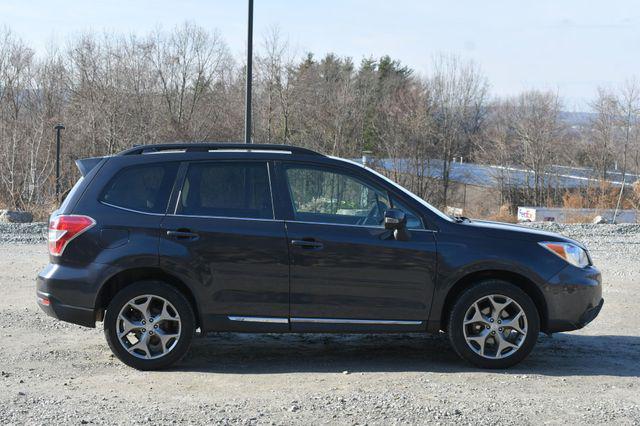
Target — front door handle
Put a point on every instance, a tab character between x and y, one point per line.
307	244
182	235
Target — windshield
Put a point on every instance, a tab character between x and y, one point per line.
401	188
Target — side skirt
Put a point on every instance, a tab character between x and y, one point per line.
252	324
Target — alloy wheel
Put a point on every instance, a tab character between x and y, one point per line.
495	326
148	326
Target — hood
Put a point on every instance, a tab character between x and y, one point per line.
514	232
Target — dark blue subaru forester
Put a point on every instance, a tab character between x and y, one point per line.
162	240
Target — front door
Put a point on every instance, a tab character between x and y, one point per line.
347	271
224	240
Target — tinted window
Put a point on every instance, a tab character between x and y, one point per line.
327	196
144	188
228	190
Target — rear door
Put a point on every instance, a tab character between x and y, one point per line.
223	239
347	271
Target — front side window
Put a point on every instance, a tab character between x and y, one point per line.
226	189
327	196
144	188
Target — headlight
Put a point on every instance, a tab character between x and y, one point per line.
570	252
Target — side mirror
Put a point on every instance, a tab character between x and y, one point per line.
396	220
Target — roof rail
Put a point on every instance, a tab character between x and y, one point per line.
206	146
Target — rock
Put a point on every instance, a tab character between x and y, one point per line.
599	219
13	216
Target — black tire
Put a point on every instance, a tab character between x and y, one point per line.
182	307
468	298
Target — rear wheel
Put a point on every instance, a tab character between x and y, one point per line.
494	324
149	325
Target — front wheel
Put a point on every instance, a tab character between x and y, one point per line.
149	325
494	324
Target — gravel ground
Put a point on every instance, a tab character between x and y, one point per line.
53	372
23	233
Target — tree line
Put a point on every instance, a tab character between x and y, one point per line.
113	91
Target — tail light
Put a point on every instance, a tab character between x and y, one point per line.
64	228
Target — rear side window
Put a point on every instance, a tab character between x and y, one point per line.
227	189
144	188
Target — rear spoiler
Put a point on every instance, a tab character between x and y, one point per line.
85	165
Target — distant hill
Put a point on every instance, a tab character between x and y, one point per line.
577	118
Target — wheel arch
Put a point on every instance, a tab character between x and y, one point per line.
127	277
522	282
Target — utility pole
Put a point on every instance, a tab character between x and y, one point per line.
59	128
247	113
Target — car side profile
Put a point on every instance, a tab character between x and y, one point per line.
161	241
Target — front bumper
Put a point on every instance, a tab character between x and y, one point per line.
590	314
573	298
68	293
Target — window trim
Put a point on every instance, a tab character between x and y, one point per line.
224	217
182	177
131	210
378	228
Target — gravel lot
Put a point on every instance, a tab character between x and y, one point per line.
53	372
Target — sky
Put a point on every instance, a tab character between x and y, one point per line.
568	46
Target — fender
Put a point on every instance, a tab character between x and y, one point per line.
144	268
453	281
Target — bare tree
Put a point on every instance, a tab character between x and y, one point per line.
629	105
188	61
459	92
16	104
113	91
629	109
537	132
496	147
604	129
276	92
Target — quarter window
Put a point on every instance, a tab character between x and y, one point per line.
144	188
326	196
227	190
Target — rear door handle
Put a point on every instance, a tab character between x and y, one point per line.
182	235
307	244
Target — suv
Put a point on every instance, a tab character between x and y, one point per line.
161	241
